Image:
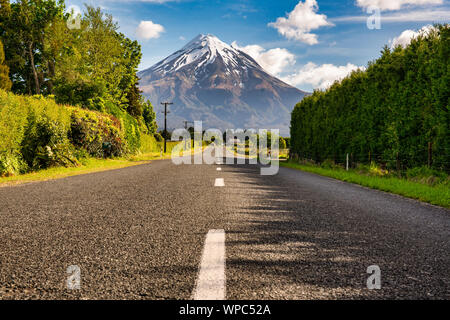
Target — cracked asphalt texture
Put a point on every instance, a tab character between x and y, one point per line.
138	233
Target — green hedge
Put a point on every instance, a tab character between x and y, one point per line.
33	134
390	113
37	133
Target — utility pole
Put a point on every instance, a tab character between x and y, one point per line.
165	104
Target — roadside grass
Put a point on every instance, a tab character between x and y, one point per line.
88	165
438	194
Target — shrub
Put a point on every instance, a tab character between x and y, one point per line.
427	175
149	144
100	135
36	133
131	127
158	137
12	164
33	134
377	170
46	144
328	164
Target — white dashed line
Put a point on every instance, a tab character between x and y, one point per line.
211	278
219	182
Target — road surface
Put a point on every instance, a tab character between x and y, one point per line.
161	231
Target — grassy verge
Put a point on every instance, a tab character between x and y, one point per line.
437	195
89	165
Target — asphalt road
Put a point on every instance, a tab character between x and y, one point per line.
139	233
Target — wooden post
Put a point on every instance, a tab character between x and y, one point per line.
346	166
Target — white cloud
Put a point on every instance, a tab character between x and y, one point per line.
273	61
435	15
182	38
404	39
301	21
395	4
320	77
149	30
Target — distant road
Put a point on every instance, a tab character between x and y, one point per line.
141	233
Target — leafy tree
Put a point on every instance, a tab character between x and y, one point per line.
94	66
5	82
282	144
149	117
24	24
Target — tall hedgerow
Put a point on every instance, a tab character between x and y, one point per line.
395	113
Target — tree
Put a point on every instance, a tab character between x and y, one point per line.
94	66
134	101
5	82
24	24
98	65
282	144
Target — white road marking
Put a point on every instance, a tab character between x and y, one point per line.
211	283
219	182
219	169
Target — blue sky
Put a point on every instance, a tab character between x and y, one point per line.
307	43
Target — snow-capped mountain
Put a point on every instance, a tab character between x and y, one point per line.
209	80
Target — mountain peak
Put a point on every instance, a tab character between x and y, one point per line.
207	40
210	80
200	51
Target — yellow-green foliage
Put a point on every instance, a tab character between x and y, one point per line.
149	144
18	118
5	82
101	135
36	133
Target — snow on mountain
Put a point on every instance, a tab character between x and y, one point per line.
211	81
204	50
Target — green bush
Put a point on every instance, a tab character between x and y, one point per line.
100	135
46	144
131	127
158	137
12	164
329	164
427	175
149	144
36	133
33	134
